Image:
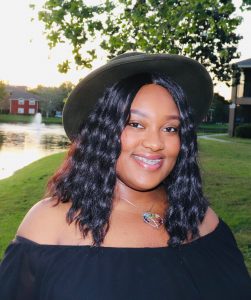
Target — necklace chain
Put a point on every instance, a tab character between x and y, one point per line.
137	206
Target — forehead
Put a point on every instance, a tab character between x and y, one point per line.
154	99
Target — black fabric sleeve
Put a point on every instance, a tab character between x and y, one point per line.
17	276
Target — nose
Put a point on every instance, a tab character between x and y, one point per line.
153	140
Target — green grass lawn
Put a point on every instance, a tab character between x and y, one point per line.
226	171
20	191
27	119
236	140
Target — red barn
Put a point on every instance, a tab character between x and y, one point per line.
22	102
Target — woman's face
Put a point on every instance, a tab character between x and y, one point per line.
150	142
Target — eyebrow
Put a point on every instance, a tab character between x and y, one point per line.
140	113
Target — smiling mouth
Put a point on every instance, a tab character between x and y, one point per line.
150	162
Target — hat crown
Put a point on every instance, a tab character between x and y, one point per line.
125	55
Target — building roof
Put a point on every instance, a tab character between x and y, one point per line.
17	92
244	63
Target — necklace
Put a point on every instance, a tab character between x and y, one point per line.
153	219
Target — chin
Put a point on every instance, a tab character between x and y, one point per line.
143	186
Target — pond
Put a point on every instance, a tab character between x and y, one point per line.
22	144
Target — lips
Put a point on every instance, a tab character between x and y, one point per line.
149	162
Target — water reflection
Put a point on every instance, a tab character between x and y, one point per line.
21	144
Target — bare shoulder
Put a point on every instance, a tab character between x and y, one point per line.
44	221
209	222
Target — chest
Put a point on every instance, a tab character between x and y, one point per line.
130	230
125	230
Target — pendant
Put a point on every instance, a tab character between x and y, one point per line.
153	219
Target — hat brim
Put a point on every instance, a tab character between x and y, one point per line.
188	73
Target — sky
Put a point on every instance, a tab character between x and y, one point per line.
25	58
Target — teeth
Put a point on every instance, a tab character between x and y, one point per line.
148	161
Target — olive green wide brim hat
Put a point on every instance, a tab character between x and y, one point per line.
188	73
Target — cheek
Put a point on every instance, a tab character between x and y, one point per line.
127	146
173	147
125	168
128	141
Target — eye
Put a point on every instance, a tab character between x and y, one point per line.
135	125
171	129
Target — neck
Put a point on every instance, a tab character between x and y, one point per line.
143	200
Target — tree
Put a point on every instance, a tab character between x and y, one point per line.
3	92
65	89
4	97
246	5
203	30
219	109
52	98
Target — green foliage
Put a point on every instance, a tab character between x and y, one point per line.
211	128
65	88
8	118
219	109
203	30
52	98
246	5
3	92
243	131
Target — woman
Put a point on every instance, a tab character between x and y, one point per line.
126	217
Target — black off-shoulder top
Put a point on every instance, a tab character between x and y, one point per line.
209	268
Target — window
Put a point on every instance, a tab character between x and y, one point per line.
32	102
247	84
20	110
21	101
31	111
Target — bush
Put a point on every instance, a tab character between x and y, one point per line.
243	131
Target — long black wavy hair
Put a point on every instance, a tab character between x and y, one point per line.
87	177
